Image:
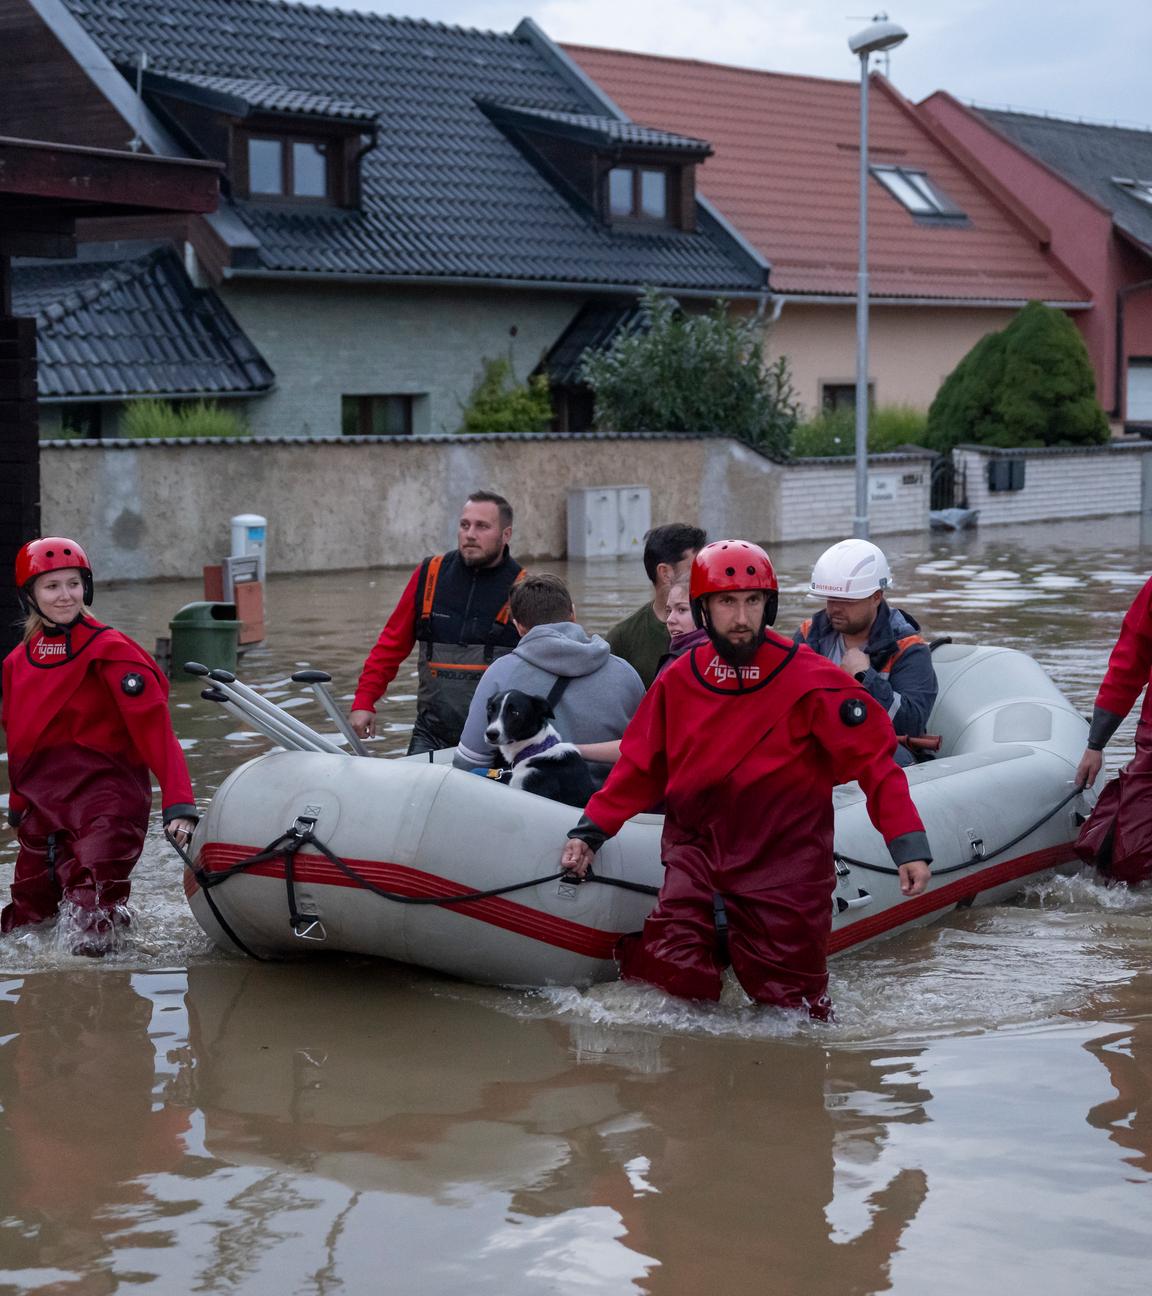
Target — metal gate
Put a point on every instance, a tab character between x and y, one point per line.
949	484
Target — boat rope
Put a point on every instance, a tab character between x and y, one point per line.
288	844
983	857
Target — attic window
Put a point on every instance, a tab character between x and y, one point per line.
639	193
1141	189
915	192
282	167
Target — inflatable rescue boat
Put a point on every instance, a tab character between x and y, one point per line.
302	852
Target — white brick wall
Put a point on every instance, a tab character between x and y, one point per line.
1098	482
818	501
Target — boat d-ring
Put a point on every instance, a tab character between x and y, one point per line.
314	931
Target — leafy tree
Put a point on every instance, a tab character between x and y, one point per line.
1029	385
498	403
693	373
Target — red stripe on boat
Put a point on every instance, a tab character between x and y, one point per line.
906	911
506	914
591	941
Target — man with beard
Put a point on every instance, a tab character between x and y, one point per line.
456	607
744	740
878	645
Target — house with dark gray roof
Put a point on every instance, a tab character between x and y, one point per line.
123	323
402	199
1088	187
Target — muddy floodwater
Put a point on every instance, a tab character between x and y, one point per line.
979	1120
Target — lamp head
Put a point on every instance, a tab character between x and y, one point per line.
876	38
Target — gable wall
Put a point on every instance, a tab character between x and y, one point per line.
43	93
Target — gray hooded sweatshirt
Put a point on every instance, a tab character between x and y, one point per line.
598	703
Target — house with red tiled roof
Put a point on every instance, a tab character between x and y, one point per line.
1091	184
952	253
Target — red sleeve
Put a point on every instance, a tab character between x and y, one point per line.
145	715
396	641
639	777
867	753
1131	660
16	803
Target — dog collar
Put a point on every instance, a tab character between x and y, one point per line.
551	741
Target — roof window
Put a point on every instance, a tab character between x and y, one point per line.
1141	189
917	194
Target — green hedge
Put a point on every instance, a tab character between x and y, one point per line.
834	432
151	420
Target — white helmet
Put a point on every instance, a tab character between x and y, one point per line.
851	569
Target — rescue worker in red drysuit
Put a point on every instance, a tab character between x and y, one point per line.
455	606
744	740
86	714
1118	836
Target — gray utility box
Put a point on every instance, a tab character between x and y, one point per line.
608	521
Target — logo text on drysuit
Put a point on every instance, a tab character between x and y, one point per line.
722	671
45	649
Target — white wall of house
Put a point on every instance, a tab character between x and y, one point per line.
325	341
912	349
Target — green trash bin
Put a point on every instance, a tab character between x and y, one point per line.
205	633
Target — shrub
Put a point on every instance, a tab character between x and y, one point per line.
693	373
1029	385
834	431
498	403
156	419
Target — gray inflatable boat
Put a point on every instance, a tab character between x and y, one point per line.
359	840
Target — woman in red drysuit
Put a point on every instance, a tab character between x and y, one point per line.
744	740
1118	836
86	714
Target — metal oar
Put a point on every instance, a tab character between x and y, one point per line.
245	695
319	680
290	731
280	738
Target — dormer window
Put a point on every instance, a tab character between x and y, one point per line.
287	167
917	194
638	193
282	144
622	172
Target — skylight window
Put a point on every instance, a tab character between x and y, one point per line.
1141	189
915	192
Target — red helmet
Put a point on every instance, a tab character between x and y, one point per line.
732	565
52	553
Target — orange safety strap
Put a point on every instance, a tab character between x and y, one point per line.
506	611
430	578
902	646
805	626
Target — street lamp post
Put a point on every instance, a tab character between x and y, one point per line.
881	35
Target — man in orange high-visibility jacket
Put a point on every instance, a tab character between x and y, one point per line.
744	740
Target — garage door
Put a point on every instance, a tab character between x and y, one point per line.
1139	407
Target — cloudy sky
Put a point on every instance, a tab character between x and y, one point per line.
1083	59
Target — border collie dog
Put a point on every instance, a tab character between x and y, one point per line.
518	724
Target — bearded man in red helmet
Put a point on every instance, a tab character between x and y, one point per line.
744	739
85	710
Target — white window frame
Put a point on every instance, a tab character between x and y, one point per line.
913	190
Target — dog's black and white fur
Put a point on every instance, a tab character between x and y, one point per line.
518	725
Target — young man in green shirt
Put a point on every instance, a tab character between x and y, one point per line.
642	638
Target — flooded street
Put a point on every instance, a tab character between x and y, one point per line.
979	1119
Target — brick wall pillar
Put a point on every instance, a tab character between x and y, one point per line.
19	462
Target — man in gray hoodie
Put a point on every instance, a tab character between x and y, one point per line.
600	693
